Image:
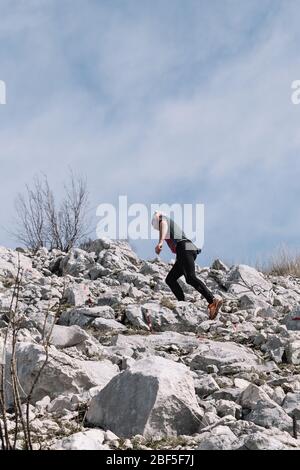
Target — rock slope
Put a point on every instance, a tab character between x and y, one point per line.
129	367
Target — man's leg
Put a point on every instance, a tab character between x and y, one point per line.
188	263
171	279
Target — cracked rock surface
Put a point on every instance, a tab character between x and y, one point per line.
129	367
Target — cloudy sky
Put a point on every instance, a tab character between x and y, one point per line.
169	101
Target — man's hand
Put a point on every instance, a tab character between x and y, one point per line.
158	248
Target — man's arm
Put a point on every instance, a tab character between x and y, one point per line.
163	230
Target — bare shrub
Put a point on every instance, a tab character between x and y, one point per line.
43	222
9	379
31	220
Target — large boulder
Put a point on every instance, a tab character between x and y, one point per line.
134	278
149	268
115	255
251	301
252	395
77	262
228	357
87	440
189	316
135	317
262	410
218	265
184	317
270	416
85	316
77	295
151	344
243	279
98	271
67	336
161	318
61	374
261	441
205	385
10	260
108	326
220	438
155	397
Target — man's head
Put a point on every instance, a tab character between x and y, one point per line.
155	219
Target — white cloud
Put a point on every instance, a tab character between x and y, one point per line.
144	101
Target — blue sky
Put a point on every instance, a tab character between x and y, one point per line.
164	101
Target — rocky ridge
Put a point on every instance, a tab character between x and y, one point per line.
129	367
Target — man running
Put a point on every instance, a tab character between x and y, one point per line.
186	253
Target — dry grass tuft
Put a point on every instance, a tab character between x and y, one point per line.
283	263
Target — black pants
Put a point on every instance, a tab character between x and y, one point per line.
185	265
